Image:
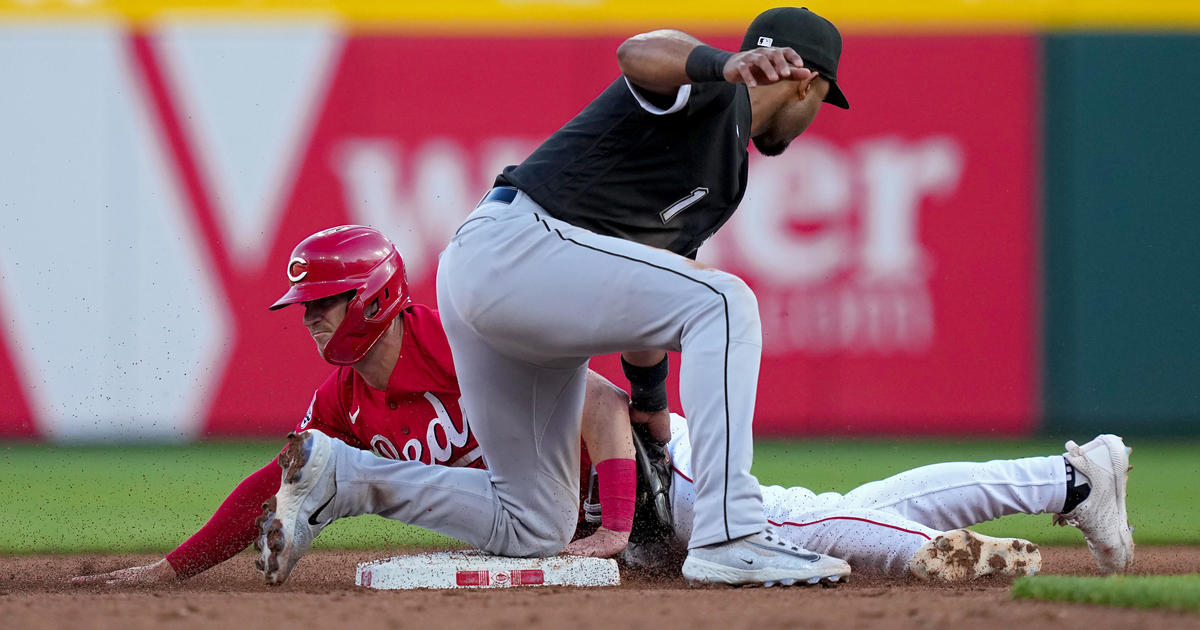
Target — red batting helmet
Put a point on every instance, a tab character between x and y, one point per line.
349	258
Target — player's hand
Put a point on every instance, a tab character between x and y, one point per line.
658	423
160	572
764	66
604	543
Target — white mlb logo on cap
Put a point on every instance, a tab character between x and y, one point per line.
765	41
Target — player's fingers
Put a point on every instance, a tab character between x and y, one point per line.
583	547
123	580
743	69
793	58
803	76
89	579
767	67
781	64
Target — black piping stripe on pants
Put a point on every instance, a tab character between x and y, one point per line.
725	379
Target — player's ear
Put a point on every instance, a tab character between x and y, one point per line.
805	85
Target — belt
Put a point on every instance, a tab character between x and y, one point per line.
501	194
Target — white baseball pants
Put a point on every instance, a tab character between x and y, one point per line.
878	526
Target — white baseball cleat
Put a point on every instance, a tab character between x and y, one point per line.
292	518
961	555
1101	516
761	559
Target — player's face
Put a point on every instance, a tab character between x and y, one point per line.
793	118
322	317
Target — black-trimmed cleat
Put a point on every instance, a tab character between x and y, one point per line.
1102	516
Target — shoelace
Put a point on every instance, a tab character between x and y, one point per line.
769	534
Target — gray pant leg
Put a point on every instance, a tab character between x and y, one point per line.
524	506
456	502
548	296
527	421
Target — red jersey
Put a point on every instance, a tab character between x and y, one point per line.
417	418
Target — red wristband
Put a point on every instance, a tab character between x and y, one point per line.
618	490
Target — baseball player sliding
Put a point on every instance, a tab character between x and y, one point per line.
914	522
394	395
350	280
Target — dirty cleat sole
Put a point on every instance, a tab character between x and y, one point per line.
288	522
962	555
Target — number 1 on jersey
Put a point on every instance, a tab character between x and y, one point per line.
683	204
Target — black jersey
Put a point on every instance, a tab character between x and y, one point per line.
624	167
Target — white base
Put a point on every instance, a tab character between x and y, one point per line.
476	569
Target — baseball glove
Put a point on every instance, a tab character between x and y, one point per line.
652	519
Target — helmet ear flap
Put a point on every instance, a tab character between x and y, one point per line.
382	297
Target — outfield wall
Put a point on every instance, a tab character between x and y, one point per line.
1122	227
161	162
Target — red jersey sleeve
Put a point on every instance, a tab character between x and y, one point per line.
231	528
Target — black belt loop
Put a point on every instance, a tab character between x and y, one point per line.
501	194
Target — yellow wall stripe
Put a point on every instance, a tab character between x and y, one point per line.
618	16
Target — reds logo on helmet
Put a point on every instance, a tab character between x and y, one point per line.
344	259
297	269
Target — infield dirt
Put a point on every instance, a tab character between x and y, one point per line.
35	595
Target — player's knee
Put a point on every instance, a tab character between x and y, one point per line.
740	307
556	539
529	540
543	527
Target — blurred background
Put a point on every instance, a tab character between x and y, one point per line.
999	238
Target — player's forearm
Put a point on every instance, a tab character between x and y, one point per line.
657	61
231	528
647	373
609	441
604	425
644	358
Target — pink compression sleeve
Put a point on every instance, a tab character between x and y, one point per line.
618	489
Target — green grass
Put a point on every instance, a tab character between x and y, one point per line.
150	498
144	498
1174	592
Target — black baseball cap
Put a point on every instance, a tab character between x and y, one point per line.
814	38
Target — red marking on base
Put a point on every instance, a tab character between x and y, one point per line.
515	577
366	578
528	577
472	578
